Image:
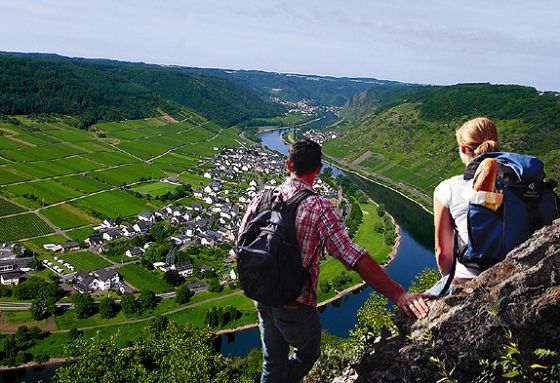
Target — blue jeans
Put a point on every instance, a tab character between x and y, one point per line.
281	328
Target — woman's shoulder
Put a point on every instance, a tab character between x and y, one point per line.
449	187
452	181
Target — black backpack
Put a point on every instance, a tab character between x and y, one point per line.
268	256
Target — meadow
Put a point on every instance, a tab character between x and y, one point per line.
84	260
142	279
112	204
155	189
66	216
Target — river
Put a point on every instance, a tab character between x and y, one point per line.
414	254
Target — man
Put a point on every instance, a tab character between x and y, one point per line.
297	324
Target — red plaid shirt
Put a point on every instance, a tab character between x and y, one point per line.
316	220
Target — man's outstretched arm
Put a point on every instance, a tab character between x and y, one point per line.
341	246
374	275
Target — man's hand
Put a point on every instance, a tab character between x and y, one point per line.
414	305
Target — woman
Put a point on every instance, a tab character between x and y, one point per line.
475	137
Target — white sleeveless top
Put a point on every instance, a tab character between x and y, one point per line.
453	193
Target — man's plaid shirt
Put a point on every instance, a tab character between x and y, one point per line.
316	220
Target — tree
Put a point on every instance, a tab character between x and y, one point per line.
325	286
173	277
147	300
74	333
129	305
160	231
381	210
107	308
10	347
83	304
5	291
214	286
327	171
183	294
158	324
39	309
174	355
379	227
156	253
171	257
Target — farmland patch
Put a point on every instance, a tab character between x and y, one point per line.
67	216
143	279
22	226
112	204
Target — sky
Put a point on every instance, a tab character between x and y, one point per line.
427	42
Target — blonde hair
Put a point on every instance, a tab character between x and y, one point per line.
479	134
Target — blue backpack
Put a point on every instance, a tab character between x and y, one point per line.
528	204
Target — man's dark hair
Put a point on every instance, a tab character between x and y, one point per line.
305	157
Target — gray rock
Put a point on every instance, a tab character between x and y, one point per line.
520	295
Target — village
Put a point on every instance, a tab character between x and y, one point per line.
235	176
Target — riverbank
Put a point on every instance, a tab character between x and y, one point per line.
50	362
368	176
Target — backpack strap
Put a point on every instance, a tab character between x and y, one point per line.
293	202
267	201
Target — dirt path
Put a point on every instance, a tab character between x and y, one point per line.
168	118
362	158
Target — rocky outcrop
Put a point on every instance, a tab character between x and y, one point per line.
520	295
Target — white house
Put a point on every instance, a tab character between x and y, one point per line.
10	278
184	269
134	252
110	235
146	216
105	279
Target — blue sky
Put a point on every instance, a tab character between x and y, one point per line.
437	42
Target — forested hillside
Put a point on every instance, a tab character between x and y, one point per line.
409	136
322	90
95	90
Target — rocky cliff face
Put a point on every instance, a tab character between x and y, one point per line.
520	295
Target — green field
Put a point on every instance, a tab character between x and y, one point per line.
84	184
85	260
193	180
113	204
227	137
41	153
44	192
67	216
58	167
366	236
71	135
7	208
142	279
175	163
81	233
155	189
6	143
22	226
128	174
111	158
7	176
